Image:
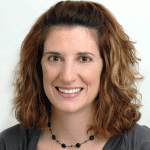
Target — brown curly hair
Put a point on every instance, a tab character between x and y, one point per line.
116	108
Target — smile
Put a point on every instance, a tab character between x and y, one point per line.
69	91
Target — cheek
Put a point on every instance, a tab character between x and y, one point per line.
91	75
49	74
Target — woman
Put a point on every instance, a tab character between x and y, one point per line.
75	85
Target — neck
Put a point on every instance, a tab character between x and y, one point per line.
71	127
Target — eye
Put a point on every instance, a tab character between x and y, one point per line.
85	59
54	58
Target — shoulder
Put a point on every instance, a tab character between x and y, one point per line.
17	137
142	130
138	137
9	137
10	131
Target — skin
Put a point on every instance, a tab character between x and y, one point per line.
70	116
70	69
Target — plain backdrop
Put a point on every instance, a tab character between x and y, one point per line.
16	19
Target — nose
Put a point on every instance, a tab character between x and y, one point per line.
68	73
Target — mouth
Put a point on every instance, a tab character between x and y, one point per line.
69	91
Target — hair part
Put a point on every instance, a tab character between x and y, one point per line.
116	108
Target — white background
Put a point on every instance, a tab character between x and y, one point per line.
16	19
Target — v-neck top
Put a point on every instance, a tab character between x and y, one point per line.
19	138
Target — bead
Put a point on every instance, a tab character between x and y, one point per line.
49	124
91	138
53	137
63	145
78	145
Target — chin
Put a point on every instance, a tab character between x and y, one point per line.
70	108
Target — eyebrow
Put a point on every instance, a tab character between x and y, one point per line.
79	53
50	52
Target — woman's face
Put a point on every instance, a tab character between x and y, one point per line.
72	67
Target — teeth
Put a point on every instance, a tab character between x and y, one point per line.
70	91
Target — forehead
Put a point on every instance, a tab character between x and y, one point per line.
91	31
76	29
73	35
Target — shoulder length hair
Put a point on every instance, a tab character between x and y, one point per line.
116	107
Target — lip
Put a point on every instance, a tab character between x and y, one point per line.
69	95
68	88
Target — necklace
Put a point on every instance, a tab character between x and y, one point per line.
64	145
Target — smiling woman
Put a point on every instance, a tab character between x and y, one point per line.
75	84
69	72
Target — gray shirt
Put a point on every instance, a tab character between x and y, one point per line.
18	138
